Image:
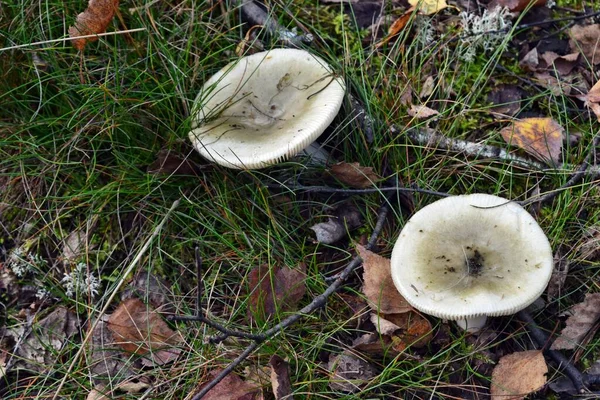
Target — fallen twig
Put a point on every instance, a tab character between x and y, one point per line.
326	189
433	139
255	15
315	304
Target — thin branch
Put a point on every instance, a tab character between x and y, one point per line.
433	139
97	35
326	189
315	304
255	15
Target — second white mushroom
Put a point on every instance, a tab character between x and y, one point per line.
465	258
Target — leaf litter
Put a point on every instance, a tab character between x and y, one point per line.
579	324
354	175
378	286
540	137
518	374
94	20
275	289
138	329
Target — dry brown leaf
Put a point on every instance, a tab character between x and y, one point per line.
353	175
428	7
349	372
345	218
280	378
589	249
516	5
421	111
396	28
407	329
92	21
232	387
557	85
506	100
592	99
428	87
586	39
578	325
138	329
374	344
518	374
559	275
275	289
378	285
530	61
540	137
563	64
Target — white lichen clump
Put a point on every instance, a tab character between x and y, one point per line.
21	262
483	32
80	282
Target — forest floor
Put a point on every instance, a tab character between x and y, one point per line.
111	223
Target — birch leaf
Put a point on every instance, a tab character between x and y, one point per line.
518	374
540	137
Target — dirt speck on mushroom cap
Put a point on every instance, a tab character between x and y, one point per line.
471	255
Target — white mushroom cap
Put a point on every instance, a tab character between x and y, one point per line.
265	108
471	256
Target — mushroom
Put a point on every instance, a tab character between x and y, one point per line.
468	257
264	108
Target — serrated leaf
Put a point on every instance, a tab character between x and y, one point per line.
518	374
585	315
540	137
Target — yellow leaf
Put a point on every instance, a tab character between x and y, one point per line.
428	7
540	137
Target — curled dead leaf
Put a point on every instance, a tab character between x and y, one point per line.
585	39
518	374
349	372
396	27
421	112
275	289
585	315
592	99
92	21
280	378
232	387
345	219
138	329
379	287
354	175
540	137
